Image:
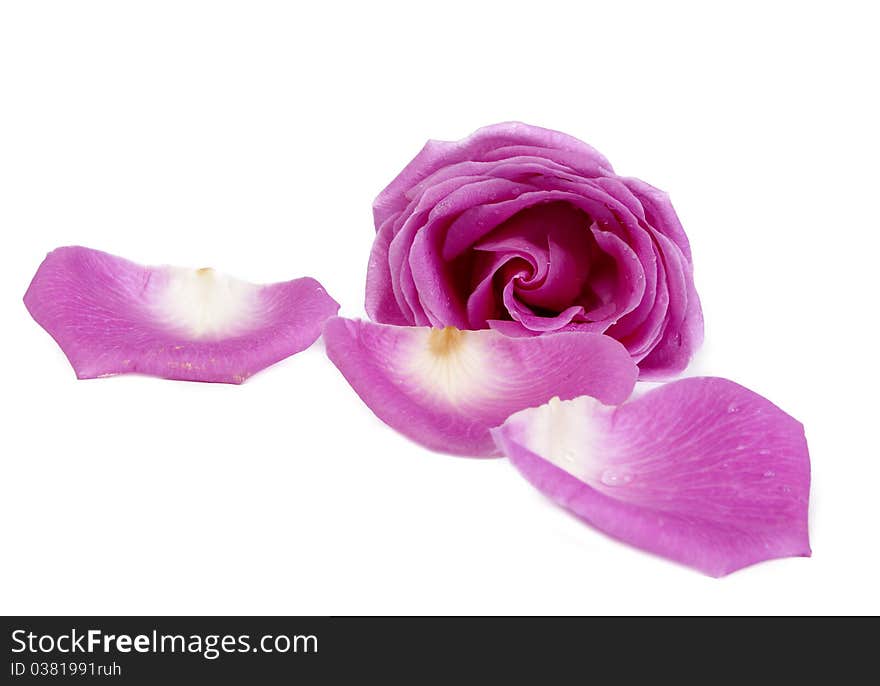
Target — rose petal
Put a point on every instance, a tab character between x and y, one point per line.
521	169
526	316
659	213
702	471
482	146
483	304
380	301
683	327
640	336
431	279
626	286
512	328
445	388
111	316
481	218
556	240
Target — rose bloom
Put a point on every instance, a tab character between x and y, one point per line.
530	232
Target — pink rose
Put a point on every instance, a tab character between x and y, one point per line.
530	231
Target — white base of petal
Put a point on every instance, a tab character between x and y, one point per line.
205	304
450	365
566	433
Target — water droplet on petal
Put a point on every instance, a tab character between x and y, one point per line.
732	408
568	456
764	452
740	447
769	473
615	477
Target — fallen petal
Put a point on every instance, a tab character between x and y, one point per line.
111	316
445	388
702	471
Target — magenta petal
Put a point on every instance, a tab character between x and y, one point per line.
381	302
487	144
702	471
111	316
523	314
445	388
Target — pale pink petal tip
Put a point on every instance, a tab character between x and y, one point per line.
445	388
701	471
111	316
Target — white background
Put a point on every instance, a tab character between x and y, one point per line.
252	137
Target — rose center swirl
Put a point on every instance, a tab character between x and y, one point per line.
542	264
